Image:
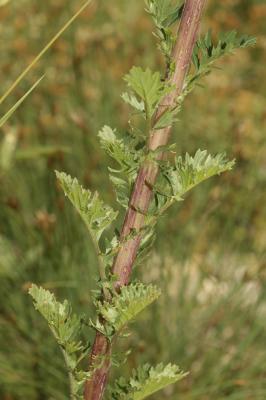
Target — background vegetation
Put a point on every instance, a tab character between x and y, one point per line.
209	256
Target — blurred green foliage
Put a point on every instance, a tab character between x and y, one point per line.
209	257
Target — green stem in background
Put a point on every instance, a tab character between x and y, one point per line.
70	376
142	192
43	51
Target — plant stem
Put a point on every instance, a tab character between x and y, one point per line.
70	376
101	267
94	388
142	192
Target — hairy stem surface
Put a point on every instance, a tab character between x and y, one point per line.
142	192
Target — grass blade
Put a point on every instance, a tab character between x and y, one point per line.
43	51
18	103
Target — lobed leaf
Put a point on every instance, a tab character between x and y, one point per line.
190	171
64	325
146	380
127	304
96	215
186	173
133	102
148	86
206	51
124	153
128	155
164	12
66	328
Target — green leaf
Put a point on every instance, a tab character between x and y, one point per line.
122	189
148	86
206	52
146	380
168	118
128	154
133	102
66	328
124	153
164	12
176	180
126	305
64	325
96	215
190	171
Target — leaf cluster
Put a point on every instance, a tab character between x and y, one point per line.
165	13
